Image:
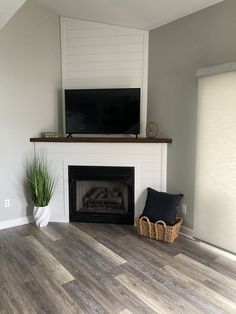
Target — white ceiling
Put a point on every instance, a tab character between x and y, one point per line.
143	14
7	9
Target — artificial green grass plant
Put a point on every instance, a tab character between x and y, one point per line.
40	180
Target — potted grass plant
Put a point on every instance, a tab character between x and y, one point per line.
41	183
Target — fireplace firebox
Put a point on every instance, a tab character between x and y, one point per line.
101	194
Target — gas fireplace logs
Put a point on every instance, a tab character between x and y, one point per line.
103	197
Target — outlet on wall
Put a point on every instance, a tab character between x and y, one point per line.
184	209
7	203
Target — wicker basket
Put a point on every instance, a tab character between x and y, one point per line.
158	230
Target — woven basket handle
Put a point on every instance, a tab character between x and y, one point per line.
156	231
141	227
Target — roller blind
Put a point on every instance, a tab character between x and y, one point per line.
215	186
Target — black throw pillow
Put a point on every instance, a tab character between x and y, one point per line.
161	206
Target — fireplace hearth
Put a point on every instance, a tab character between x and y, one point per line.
101	194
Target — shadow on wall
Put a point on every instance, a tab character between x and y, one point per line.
28	200
141	202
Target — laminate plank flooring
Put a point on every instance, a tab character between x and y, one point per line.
100	268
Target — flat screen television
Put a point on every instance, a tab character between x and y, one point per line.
102	111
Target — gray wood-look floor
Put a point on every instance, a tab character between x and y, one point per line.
94	268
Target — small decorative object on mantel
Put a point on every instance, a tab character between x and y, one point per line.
50	134
151	129
159	219
41	183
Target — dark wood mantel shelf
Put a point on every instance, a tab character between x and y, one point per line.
101	140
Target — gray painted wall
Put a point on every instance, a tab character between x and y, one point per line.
177	50
30	82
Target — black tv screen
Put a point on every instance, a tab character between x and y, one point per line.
102	111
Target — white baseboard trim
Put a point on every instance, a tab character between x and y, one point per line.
15	222
187	232
26	220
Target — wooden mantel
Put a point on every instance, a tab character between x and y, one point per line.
101	140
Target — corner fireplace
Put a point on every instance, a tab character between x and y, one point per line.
101	194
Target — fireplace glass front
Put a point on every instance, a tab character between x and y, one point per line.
101	194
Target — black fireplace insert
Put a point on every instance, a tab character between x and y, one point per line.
101	194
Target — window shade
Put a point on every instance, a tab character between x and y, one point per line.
215	188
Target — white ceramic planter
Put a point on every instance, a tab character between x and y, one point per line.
41	216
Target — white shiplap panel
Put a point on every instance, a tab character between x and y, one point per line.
114	82
104	58
153	152
107	66
105	49
116	73
96	29
101	41
149	161
96	55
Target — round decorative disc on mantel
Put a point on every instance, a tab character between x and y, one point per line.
151	129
